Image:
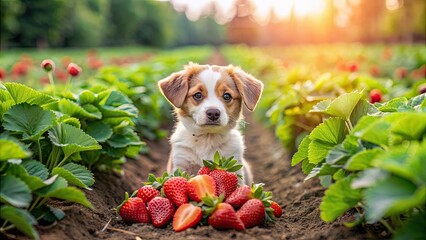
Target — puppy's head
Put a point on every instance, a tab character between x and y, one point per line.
210	98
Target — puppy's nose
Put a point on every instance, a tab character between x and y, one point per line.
213	114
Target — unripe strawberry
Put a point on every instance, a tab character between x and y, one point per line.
375	95
48	65
73	69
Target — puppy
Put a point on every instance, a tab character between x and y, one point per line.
208	104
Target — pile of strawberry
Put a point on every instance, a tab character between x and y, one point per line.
212	197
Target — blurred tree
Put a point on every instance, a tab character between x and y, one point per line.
40	22
86	23
9	24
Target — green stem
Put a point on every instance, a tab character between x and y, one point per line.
55	157
387	226
52	83
63	161
40	155
349	125
69	83
34	204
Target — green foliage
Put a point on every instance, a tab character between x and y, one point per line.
376	165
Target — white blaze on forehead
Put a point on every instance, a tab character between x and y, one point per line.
209	78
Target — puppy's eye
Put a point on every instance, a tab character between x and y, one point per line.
198	96
227	97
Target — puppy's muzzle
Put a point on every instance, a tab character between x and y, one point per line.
213	116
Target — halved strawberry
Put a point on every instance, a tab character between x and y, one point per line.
186	216
133	210
203	170
252	213
224	217
147	193
201	186
176	189
161	211
278	211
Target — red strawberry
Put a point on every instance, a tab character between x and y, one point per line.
352	67
277	209
224	217
133	210
200	186
161	211
203	170
176	189
147	193
73	69
240	196
252	213
226	182
186	216
375	95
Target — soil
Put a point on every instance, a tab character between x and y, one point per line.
271	165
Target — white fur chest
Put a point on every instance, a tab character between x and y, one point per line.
190	149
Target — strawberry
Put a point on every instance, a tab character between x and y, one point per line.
186	216
147	193
73	69
176	189
222	172
161	211
375	95
224	217
133	210
277	209
252	213
244	193
226	182
203	170
240	196
200	186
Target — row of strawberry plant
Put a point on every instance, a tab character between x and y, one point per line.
51	139
371	158
298	78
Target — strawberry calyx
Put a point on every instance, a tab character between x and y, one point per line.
209	204
223	163
265	197
158	182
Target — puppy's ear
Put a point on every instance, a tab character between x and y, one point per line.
175	88
249	87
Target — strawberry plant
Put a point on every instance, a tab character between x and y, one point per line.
296	80
36	160
371	157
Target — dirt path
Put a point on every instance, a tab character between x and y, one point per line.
271	165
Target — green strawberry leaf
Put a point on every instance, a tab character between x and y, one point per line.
30	120
70	194
302	151
36	168
72	109
362	160
21	219
14	191
23	94
72	139
99	131
13	149
342	106
75	174
48	213
338	199
413	228
392	196
86	96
